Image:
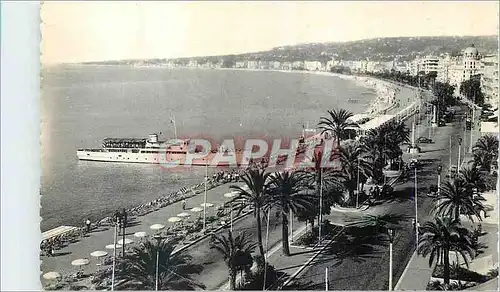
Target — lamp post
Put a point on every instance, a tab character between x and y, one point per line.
205	198
320	219
439	169
391	233
326	279
267	242
414	165
459	150
114	257
449	166
357	186
472	128
123	221
158	240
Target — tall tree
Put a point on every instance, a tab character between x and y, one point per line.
471	89
456	197
138	269
473	178
486	151
256	196
236	251
441	237
353	162
288	194
337	124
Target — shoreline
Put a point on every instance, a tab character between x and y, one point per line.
385	95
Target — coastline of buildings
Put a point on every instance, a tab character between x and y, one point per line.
446	68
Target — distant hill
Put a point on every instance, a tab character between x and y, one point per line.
377	49
380	49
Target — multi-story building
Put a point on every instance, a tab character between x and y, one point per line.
489	79
275	65
263	65
471	63
430	64
298	65
286	66
240	64
252	65
312	65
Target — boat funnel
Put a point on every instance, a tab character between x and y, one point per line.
153	138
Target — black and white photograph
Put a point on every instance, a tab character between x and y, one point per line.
239	145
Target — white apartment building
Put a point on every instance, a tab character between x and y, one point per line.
312	65
298	65
286	66
464	68
275	65
430	64
252	65
489	79
240	64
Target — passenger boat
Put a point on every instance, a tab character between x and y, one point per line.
152	151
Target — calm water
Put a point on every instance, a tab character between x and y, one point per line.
83	105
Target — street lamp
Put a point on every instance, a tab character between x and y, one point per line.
158	240
391	232
439	169
357	186
459	148
205	197
413	164
114	256
320	217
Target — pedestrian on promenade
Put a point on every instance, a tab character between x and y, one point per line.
124	218
377	191
184	204
87	224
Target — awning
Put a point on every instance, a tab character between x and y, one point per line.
489	127
376	122
57	231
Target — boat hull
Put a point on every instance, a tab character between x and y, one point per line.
167	159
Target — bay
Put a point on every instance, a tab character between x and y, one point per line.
82	105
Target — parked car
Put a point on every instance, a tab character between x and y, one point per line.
424	140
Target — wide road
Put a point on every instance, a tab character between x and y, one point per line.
359	261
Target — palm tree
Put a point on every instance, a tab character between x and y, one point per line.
455	197
487	148
236	251
314	177
288	195
138	269
352	159
441	237
473	178
256	196
337	124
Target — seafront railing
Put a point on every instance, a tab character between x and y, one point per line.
62	240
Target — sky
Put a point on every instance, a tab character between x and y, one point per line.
107	30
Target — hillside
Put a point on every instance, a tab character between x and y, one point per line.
377	49
381	49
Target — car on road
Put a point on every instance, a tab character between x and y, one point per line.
424	140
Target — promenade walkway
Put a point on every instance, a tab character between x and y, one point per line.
417	273
99	238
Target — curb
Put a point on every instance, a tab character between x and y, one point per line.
271	251
396	288
307	264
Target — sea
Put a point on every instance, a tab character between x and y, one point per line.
82	105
